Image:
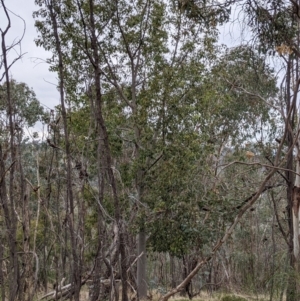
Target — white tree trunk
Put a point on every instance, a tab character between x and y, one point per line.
296	202
141	266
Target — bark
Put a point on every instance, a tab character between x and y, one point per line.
95	288
291	100
172	271
141	266
292	206
6	222
295	210
27	286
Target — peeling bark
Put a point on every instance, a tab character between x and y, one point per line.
296	203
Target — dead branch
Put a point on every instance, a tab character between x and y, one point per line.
65	291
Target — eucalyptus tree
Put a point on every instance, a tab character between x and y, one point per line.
146	68
73	221
196	207
8	203
26	111
19	107
276	25
127	46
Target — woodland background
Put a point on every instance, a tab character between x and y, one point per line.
171	164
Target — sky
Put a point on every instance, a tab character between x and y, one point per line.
31	69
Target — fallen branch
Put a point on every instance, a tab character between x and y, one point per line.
58	293
67	290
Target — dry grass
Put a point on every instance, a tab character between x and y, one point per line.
84	294
204	296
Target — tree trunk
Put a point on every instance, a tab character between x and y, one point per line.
70	218
292	206
172	271
107	159
141	266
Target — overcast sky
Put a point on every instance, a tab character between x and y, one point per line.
30	69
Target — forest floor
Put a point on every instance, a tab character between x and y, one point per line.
204	296
221	296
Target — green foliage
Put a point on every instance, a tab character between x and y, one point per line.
243	84
176	108
273	22
27	108
177	186
208	13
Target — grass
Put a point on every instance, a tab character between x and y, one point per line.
233	298
204	296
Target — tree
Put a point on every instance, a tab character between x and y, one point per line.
142	68
14	195
276	27
136	42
